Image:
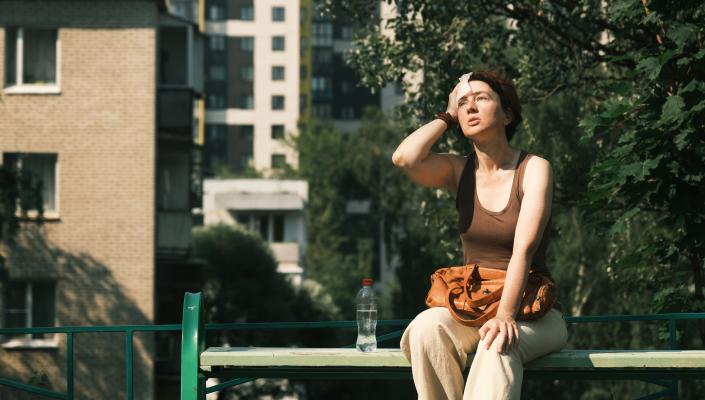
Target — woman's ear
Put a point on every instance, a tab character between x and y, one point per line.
508	116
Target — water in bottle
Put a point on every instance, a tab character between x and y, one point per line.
366	317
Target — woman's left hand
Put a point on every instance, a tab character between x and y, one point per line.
503	329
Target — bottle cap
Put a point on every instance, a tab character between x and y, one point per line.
367	281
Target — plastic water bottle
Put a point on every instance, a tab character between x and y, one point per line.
366	317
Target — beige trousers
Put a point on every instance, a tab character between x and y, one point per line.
436	345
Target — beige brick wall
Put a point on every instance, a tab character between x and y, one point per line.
102	127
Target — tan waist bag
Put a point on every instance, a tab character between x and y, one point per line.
472	293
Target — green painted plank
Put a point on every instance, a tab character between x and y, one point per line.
621	359
304	357
336	357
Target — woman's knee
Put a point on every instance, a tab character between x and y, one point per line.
427	326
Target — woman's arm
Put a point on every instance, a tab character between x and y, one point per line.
533	217
414	155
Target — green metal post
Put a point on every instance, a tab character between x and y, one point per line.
673	333
192	345
69	365
128	363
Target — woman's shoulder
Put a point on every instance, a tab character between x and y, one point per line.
537	172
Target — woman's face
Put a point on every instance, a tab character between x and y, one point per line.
480	110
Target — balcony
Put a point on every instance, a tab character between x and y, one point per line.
184	9
175	113
173	232
285	253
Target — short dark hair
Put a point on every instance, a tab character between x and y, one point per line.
507	96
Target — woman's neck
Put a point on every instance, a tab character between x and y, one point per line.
495	155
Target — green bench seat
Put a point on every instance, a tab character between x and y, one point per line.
234	365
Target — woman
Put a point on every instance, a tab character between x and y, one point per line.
504	229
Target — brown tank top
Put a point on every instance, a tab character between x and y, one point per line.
488	236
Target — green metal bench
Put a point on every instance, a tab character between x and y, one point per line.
236	365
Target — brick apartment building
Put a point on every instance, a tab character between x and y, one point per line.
100	100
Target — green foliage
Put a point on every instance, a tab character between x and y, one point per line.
614	98
242	283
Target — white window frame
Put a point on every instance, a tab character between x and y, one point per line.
48	214
19	87
27	341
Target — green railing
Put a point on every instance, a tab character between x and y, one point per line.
129	331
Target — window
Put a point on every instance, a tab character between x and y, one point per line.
319	83
303	102
244	220
246	161
278	14
29	304
322	33
345	87
346	32
263	226
277	131
246	101
216	73
31	57
322	56
303	15
303	46
322	110
303	72
399	89
40	171
215	133
217	43
216	12
277	102
247	133
277	72
247	43
277	43
347	112
247	12
247	73
215	145
278	229
216	101
278	161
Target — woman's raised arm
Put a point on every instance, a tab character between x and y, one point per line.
414	157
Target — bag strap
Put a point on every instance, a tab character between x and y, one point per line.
481	301
488	314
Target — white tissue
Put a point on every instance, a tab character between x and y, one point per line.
464	88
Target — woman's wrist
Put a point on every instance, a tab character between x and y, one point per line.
446	117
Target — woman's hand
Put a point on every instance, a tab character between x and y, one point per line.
453	103
503	329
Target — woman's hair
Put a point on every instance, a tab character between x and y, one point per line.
507	95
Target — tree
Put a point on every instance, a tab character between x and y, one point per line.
624	76
241	284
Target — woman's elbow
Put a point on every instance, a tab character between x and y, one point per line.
399	160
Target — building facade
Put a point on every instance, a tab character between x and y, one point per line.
252	81
274	208
99	104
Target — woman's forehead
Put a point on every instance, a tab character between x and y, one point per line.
480	86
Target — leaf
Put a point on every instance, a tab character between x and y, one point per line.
651	67
682	34
672	109
680	140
